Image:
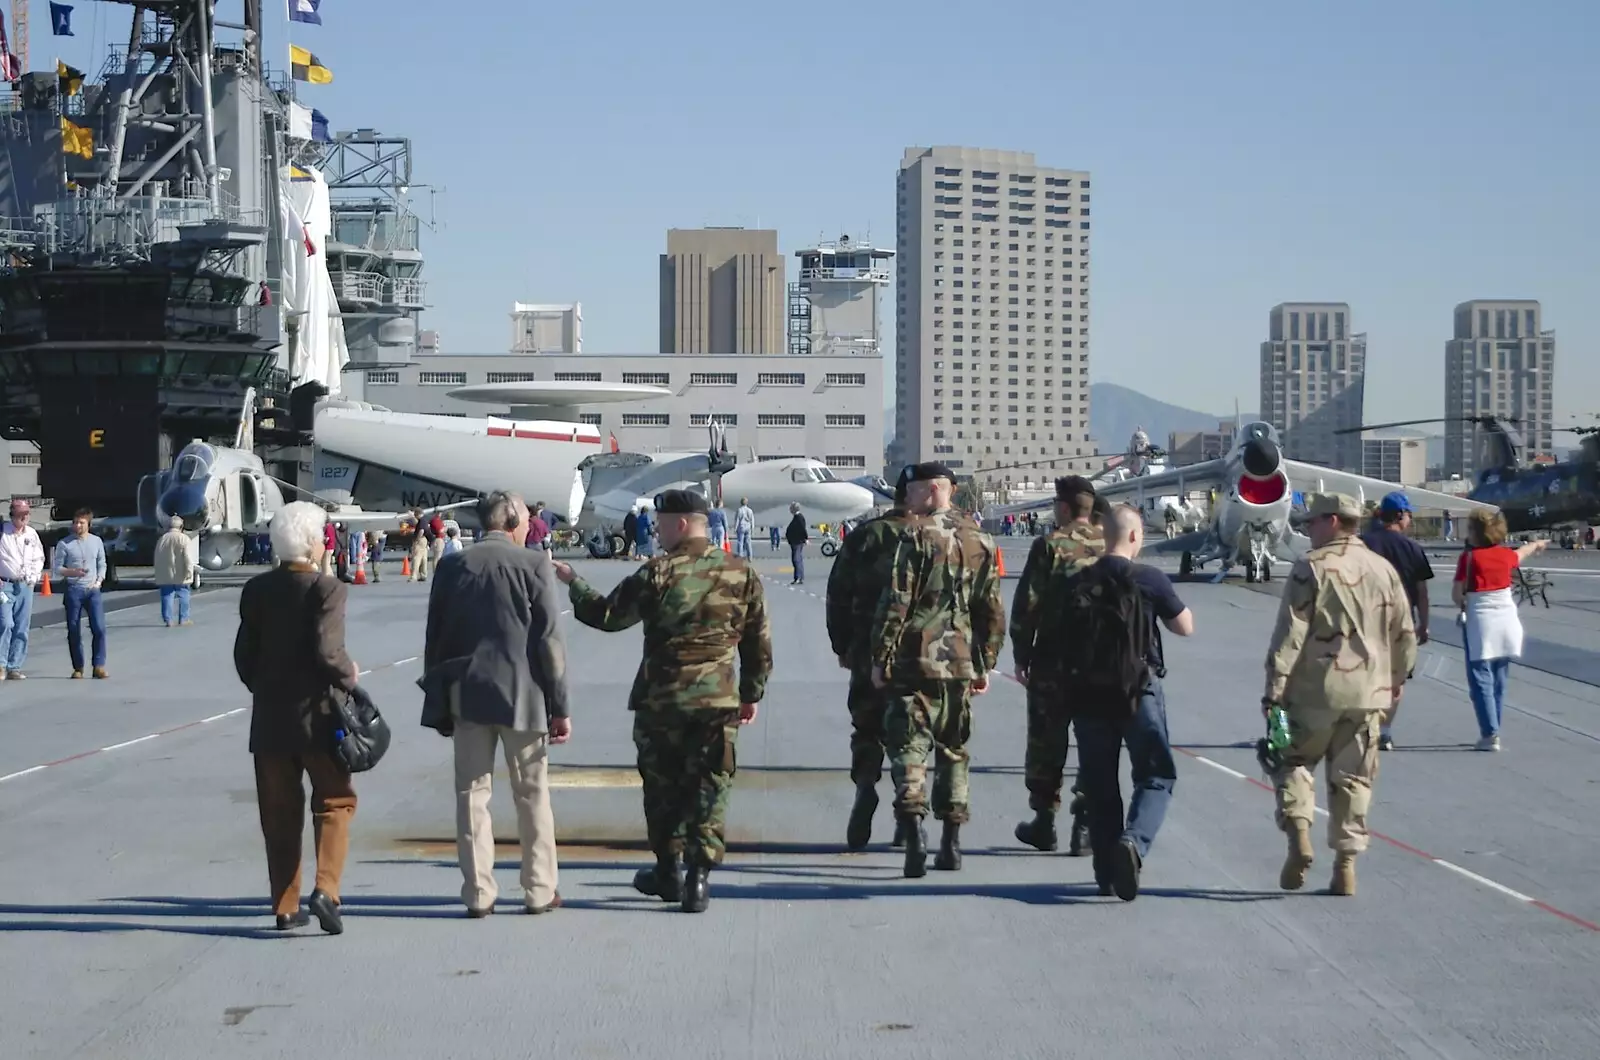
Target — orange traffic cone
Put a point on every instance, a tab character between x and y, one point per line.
361	570
1000	556
405	566
727	547
44	586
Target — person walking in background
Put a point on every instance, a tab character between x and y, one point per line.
538	532
452	541
744	526
175	568
797	535
436	539
776	536
630	527
495	674
717	521
375	542
330	543
290	653
80	561
418	547
1482	590
1389	538
21	567
644	534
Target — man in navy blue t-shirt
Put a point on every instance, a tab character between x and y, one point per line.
1388	538
1120	848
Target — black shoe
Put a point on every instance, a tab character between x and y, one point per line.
661	881
327	912
696	889
858	832
299	919
1105	890
1125	866
916	848
1078	846
949	857
1039	833
900	831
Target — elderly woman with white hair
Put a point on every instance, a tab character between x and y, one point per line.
290	654
175	570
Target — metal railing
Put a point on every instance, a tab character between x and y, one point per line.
406	291
359	286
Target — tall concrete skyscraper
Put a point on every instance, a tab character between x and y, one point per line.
992	312
1501	362
1313	376
722	291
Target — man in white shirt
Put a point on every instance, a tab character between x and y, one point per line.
744	524
21	565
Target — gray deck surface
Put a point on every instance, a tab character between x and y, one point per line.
133	922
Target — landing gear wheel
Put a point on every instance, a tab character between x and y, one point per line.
1250	572
829	549
1186	565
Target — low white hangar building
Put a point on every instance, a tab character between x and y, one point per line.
829	407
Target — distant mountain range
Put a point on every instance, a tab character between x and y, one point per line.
1115	412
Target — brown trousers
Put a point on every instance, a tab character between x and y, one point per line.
281	798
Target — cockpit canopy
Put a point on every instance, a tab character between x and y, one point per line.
813	473
193	463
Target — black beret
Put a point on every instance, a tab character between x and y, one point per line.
900	484
928	472
680	502
1070	486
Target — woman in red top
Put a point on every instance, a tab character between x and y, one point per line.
1494	630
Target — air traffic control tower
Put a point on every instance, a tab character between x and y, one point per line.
833	306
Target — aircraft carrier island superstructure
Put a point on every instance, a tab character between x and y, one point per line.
174	262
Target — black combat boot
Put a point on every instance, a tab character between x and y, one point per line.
949	857
858	833
916	848
1039	833
1078	846
696	889
899	840
661	880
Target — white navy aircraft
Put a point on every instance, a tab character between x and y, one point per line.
1254	487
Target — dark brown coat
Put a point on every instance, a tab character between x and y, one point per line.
289	653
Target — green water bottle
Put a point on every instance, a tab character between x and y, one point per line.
1278	729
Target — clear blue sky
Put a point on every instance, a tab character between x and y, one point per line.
1398	156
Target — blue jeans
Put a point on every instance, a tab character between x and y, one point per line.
1155	775
719	534
774	536
741	544
798	553
1486	683
81	602
14	620
169	594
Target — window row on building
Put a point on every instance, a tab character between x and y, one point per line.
392	378
729	419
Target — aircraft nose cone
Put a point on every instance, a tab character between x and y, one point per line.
1260	457
187	501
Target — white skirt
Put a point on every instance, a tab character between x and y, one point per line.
1494	629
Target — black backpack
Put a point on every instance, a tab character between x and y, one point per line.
1105	637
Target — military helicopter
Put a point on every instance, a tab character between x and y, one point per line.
1531	496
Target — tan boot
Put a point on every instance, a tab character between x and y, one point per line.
1344	876
1301	855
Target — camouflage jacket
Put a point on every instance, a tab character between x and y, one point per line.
940	617
1344	639
700	606
1051	561
856	583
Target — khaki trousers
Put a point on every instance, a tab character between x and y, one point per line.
1348	743
419	561
526	760
281	800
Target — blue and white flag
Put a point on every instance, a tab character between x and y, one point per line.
319	127
61	20
304	11
307	123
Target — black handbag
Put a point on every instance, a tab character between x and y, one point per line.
360	735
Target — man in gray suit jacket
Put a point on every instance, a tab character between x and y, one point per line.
495	672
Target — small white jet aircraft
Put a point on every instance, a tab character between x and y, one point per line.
380	458
1254	486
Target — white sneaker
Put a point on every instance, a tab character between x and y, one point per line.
1488	743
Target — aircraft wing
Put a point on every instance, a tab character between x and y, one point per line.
1193	541
1177	481
1313	478
111	522
359	519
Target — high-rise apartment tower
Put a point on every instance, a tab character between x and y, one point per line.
1501	362
992	312
1313	376
722	291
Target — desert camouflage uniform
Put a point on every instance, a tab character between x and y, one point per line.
1343	646
1035	641
700	607
855	586
939	627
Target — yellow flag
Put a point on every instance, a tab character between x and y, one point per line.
307	67
71	80
77	139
